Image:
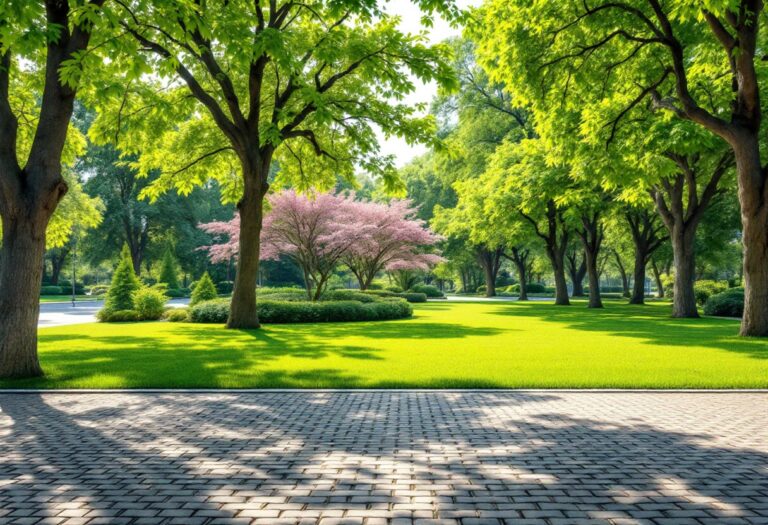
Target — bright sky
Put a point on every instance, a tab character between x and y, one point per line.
411	23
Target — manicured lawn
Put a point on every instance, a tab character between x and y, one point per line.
64	298
459	345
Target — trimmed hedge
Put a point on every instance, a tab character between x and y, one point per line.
729	303
275	312
51	290
176	315
175	293
225	287
347	295
408	296
118	316
268	290
428	290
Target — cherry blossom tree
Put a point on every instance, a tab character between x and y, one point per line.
321	231
391	239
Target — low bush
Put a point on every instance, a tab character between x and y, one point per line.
149	304
481	289
225	287
51	290
410	297
98	289
729	303
347	295
703	290
268	290
176	315
395	289
118	316
427	289
204	290
274	312
176	293
535	288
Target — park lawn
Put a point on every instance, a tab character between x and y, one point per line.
445	345
64	298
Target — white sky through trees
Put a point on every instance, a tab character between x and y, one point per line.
411	23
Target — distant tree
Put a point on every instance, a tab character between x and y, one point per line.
124	284
168	271
204	290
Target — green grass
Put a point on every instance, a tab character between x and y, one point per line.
446	345
64	298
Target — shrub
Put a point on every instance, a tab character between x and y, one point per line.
703	290
204	290
51	290
395	289
216	311
124	284
149	303
118	316
168	273
98	289
481	289
726	304
177	292
287	296
410	297
225	287
347	295
176	315
273	312
427	289
535	288
268	290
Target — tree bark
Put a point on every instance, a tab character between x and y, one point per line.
591	234
520	259
577	271
645	227
561	284
21	271
638	276
657	278
243	312
58	257
555	238
490	260
622	273
683	245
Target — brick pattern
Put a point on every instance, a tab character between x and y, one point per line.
384	458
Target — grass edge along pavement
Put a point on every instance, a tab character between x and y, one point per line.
445	345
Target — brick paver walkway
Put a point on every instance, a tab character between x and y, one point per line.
384	457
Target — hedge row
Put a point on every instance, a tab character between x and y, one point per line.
729	303
275	312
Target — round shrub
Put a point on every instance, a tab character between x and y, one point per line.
149	304
225	287
204	290
216	311
395	289
176	315
51	290
726	304
428	290
98	289
703	290
118	316
413	297
535	288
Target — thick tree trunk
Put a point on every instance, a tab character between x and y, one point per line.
561	284
638	279
595	301
753	197
243	312
490	261
21	271
577	273
622	273
683	244
57	264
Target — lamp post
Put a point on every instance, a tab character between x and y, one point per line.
74	267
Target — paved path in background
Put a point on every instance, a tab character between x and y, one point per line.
384	457
60	314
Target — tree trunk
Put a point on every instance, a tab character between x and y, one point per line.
683	244
57	264
520	259
595	301
21	271
657	278
243	312
622	273
561	284
753	198
638	279
577	271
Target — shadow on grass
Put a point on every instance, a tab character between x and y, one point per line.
653	324
138	455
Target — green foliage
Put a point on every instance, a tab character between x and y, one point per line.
729	303
535	288
346	295
204	290
429	290
411	297
168	272
225	287
51	290
149	303
118	316
178	292
703	290
124	284
267	290
98	289
278	312
176	315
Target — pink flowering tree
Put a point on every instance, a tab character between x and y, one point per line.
320	232
390	239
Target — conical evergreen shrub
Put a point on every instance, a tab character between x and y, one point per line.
204	290
124	284
168	273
